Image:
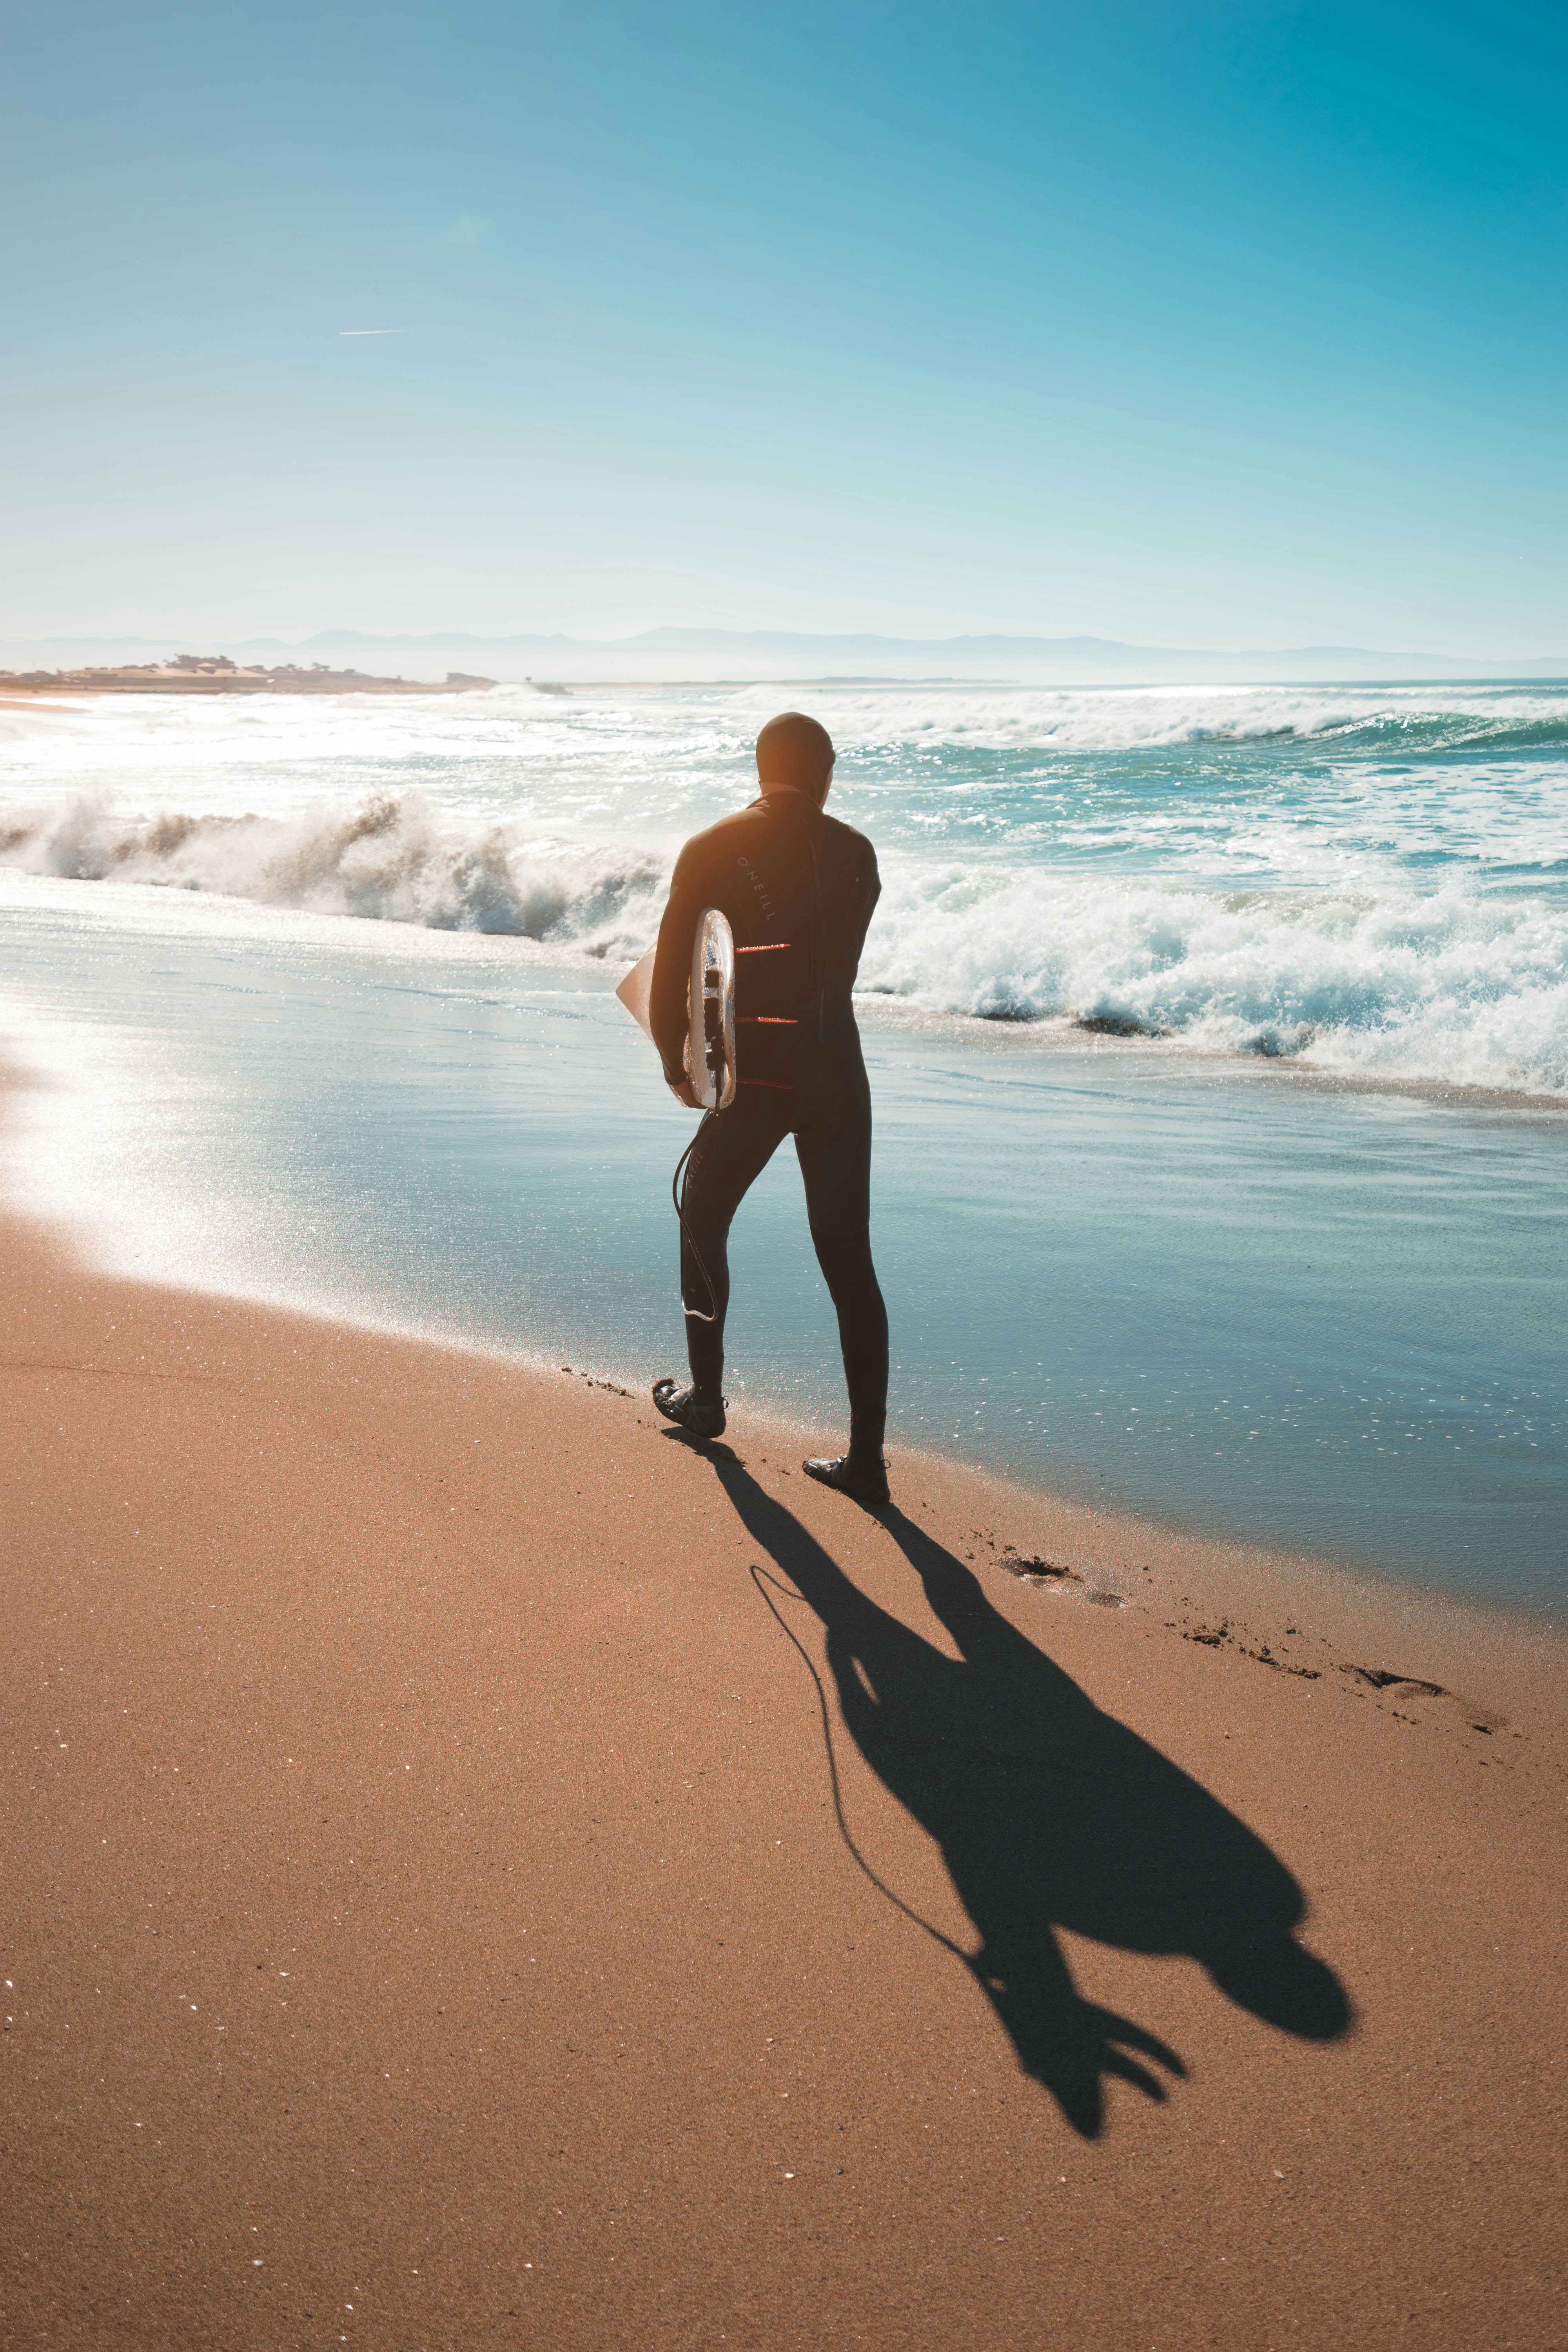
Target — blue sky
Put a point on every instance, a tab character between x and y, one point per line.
1214	325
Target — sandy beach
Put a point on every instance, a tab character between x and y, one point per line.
482	1871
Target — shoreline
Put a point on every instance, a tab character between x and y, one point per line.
1065	1034
1055	1033
432	1893
283	1266
1102	1543
1378	1604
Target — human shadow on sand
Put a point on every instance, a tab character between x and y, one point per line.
1050	1814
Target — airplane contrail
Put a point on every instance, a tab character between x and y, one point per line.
372	331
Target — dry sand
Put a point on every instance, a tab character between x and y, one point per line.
429	1925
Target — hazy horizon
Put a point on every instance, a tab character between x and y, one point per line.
666	654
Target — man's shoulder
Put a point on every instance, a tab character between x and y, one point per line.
847	838
730	831
721	831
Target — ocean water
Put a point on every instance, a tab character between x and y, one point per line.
1377	879
1180	1006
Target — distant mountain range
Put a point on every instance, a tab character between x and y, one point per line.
778	654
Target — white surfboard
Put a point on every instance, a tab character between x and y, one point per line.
636	990
710	1034
712	987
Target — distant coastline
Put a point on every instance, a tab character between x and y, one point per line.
217	674
670	656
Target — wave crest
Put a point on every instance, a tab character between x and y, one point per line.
1453	984
388	861
1448	984
1351	720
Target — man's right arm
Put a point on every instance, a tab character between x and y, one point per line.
668	1011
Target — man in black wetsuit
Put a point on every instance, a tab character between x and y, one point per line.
797	889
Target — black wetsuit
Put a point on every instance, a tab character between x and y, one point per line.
798	888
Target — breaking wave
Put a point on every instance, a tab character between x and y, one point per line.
1402	722
531	734
1389	979
1451	984
390	861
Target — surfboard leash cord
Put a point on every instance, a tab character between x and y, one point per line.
677	1194
762	1580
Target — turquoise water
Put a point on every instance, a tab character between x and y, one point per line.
1374	878
1171	1266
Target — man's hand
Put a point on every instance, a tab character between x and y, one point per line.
683	1093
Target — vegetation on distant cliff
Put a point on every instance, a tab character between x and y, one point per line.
217	674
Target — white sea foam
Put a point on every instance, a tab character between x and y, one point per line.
1102	719
1449	984
1373	877
389	860
665	730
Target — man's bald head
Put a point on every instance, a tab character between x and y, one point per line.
794	753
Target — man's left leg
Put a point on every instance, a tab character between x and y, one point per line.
834	1152
851	1278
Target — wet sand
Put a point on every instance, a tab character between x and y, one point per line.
480	1870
